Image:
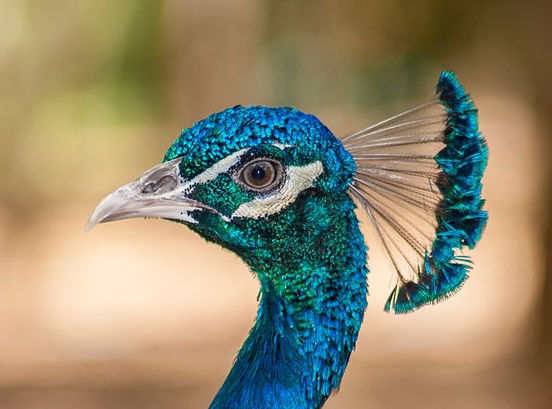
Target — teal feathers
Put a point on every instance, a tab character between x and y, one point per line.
459	214
275	186
419	180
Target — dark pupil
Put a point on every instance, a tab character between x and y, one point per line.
258	174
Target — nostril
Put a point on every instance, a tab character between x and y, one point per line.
149	188
165	184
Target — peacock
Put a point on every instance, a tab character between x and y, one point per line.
276	187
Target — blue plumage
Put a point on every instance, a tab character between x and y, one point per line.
275	186
309	266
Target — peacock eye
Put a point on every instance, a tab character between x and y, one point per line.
261	175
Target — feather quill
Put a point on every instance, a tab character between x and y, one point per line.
418	178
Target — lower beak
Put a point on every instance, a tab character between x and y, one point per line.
158	193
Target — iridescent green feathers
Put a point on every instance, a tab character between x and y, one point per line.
419	180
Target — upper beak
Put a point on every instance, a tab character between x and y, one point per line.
160	192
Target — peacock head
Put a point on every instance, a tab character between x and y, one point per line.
240	178
276	187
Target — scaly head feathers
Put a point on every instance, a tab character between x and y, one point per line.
250	164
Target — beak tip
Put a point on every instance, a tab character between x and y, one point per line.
93	221
89	226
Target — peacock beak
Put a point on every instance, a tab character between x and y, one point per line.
158	193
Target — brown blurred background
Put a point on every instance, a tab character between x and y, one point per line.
143	314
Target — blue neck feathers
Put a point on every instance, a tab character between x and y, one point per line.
313	297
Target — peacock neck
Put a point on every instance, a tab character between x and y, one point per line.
313	297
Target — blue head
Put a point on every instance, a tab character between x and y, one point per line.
266	176
271	185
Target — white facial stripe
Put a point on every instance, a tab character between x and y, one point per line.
298	178
222	166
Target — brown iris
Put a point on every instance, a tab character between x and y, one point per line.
261	174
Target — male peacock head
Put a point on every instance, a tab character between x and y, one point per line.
250	179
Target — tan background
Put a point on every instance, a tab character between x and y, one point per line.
143	313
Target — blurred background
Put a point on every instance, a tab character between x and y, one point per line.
143	313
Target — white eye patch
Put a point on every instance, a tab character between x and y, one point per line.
298	178
222	166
